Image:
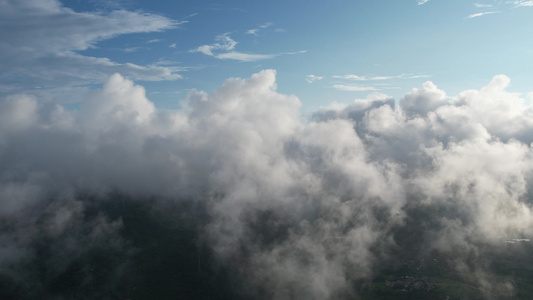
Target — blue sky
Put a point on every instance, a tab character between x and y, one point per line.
323	51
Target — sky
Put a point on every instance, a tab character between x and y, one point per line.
323	52
300	149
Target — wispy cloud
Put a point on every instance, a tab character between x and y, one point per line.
254	31
293	53
368	78
132	49
354	88
481	14
45	51
523	3
154	41
482	5
223	42
224	48
420	2
166	62
240	56
311	78
351	77
499	7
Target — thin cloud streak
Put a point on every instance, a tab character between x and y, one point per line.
369	78
501	5
482	5
354	88
245	57
481	14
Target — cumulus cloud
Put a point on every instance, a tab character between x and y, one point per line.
293	208
420	102
40	40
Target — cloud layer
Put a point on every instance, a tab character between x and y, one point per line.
294	208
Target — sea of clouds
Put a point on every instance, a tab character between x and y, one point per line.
297	207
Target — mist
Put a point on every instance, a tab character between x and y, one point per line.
256	199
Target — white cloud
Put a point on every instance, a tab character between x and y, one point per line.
530	97
420	2
354	88
365	78
224	49
351	77
240	56
64	70
482	5
293	53
311	78
133	49
453	174
254	31
420	102
374	86
481	14
78	31
502	6
522	3
224	43
47	44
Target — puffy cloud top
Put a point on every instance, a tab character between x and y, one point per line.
301	209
